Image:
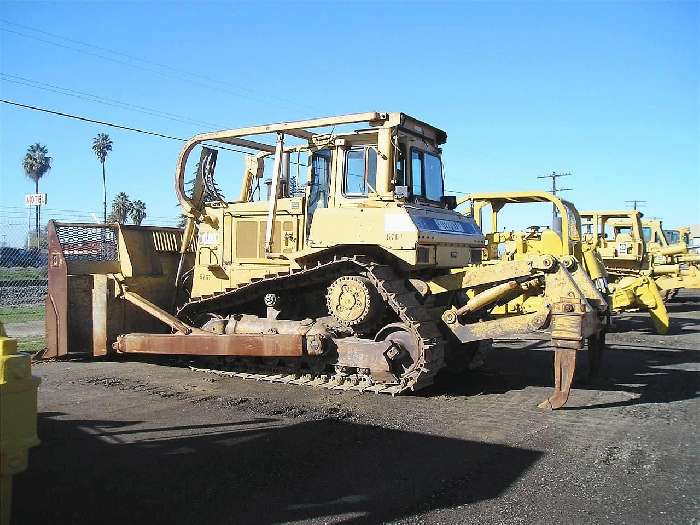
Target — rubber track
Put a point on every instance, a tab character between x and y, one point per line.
394	292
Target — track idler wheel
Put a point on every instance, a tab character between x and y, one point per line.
354	301
404	350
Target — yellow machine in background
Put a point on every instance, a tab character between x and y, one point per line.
619	237
363	277
568	244
680	234
17	418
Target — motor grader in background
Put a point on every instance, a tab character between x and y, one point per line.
565	242
619	237
365	279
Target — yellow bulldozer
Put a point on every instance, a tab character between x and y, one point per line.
672	247
363	277
680	234
630	248
563	240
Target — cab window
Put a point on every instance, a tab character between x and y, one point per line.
426	175
401	165
319	186
360	171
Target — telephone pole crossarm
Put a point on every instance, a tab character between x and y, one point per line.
635	203
554	176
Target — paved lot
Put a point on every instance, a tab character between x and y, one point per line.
145	443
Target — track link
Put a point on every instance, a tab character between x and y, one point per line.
397	296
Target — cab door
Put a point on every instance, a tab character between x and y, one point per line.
319	187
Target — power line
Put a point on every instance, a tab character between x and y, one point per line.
93	121
125	128
102	100
171	72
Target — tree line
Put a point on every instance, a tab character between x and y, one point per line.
37	163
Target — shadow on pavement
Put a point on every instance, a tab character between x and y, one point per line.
656	376
642	325
258	471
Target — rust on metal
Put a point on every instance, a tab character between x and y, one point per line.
160	314
564	368
57	298
572	323
268	345
357	353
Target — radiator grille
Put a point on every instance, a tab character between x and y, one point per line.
167	241
423	255
87	242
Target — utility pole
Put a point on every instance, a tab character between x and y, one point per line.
635	203
554	176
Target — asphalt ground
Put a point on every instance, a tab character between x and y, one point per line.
136	442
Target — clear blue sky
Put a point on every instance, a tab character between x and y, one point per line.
608	91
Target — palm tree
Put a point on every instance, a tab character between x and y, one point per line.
102	145
121	207
137	213
36	164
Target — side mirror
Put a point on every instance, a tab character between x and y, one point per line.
449	201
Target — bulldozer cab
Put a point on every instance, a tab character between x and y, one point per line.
367	179
617	234
681	234
563	238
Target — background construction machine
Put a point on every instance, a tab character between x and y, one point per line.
566	243
364	278
680	234
628	248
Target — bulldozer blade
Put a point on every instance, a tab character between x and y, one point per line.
564	368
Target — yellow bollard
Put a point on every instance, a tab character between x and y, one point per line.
17	417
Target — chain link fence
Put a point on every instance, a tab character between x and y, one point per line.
24	254
23	268
23	278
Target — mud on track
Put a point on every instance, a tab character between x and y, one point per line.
135	442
